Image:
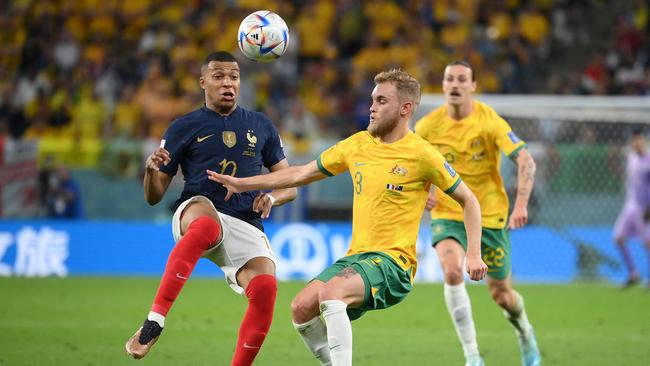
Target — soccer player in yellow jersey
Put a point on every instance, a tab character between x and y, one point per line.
392	171
471	136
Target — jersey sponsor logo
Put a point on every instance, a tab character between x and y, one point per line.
252	139
229	138
246	345
180	276
451	170
201	139
393	187
359	164
399	170
513	137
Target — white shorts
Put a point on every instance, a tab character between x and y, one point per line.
240	243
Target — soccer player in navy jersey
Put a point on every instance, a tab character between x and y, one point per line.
224	137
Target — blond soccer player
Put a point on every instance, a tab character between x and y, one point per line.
471	136
392	170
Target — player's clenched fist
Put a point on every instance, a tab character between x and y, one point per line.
431	201
476	268
157	158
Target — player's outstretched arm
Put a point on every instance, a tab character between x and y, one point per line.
476	268
265	201
283	195
156	182
525	181
293	176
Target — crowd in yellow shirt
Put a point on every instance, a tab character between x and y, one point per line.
126	68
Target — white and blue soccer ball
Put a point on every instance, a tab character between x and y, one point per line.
263	36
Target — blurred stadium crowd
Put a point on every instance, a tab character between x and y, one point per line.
93	77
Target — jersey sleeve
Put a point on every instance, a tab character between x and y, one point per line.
440	172
273	150
172	141
332	161
421	128
505	137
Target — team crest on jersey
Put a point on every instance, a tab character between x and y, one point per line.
252	139
399	170
229	138
451	170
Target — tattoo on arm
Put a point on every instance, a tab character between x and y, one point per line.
525	178
347	272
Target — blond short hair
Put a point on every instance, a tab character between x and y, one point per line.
408	88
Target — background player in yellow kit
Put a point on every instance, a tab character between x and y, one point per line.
392	171
471	136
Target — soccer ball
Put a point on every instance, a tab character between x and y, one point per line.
263	36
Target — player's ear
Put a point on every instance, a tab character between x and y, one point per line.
473	86
202	82
407	108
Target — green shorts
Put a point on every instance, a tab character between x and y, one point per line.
495	244
385	281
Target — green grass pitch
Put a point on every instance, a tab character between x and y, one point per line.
86	321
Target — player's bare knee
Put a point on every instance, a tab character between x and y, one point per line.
328	293
501	296
503	300
454	275
303	310
260	265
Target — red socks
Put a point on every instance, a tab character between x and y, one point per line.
261	291
201	234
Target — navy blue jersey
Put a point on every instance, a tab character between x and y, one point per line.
238	145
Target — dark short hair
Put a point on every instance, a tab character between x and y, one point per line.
637	131
466	64
220	56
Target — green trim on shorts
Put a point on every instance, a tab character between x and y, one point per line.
495	244
322	169
385	282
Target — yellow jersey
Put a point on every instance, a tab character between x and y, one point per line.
391	184
473	147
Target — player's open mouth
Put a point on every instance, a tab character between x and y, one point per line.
454	94
228	96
